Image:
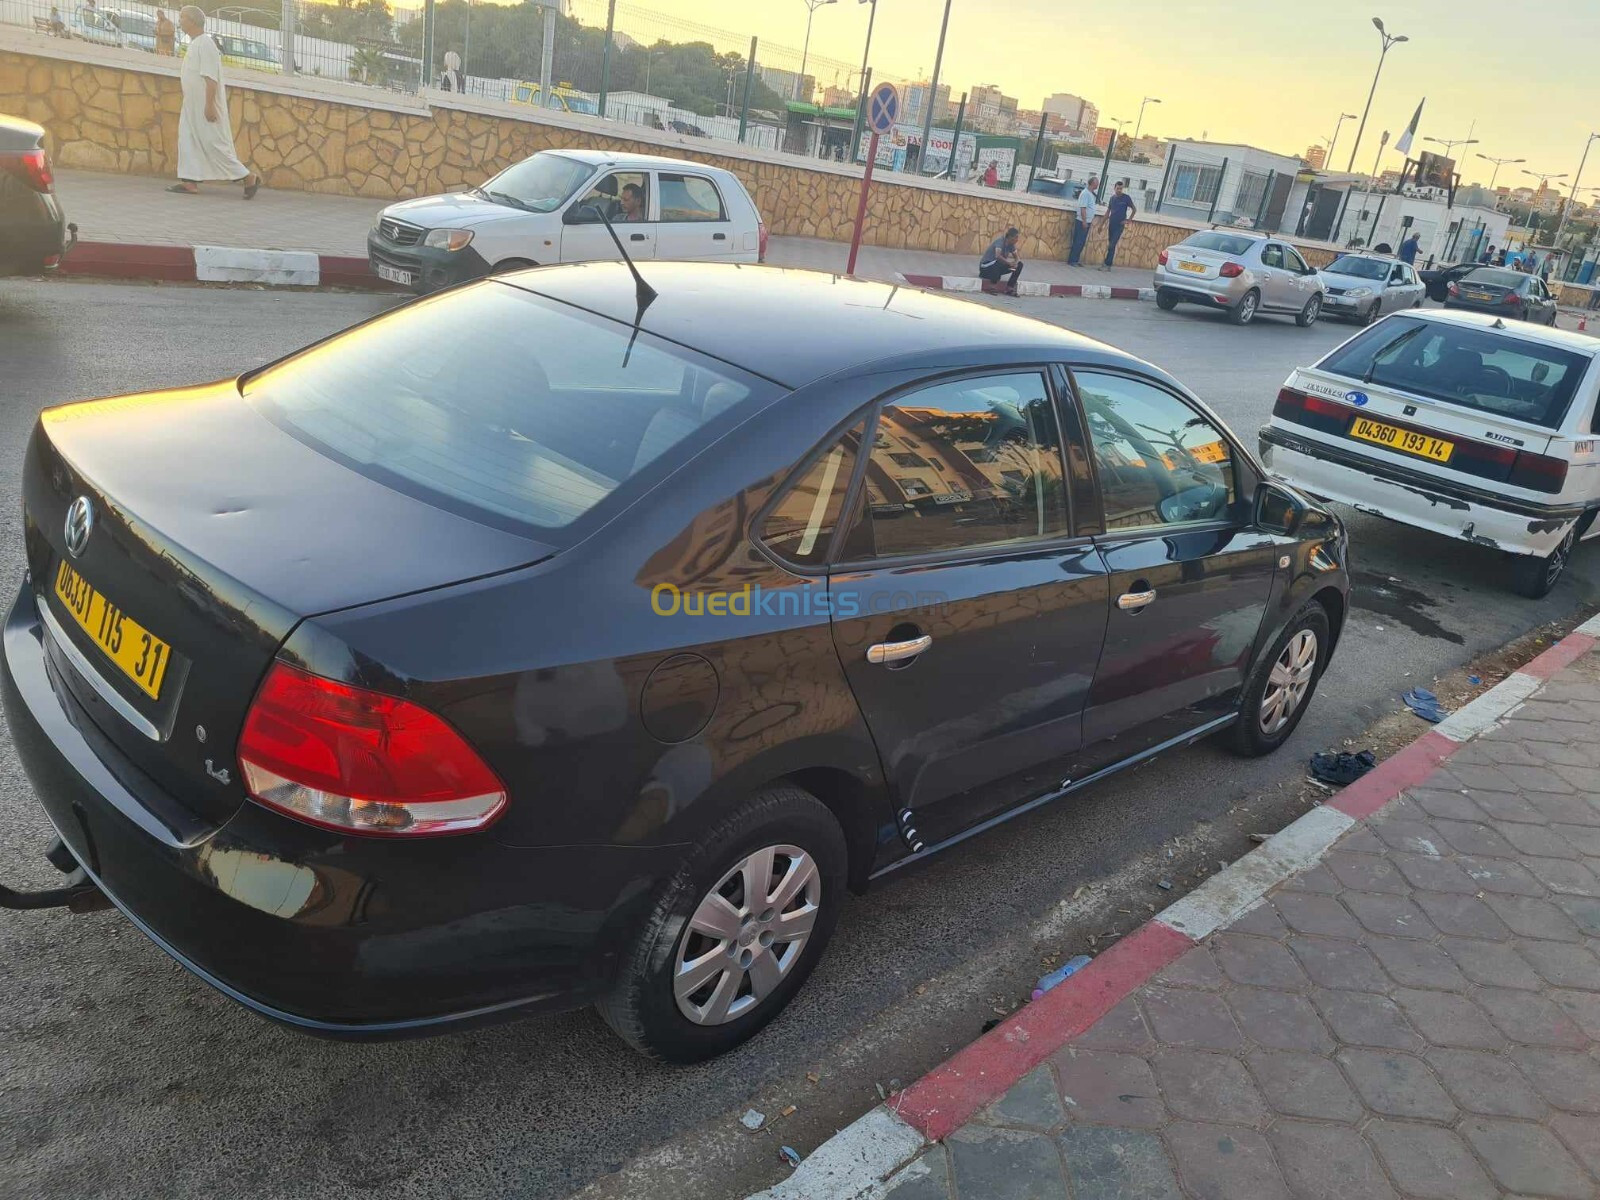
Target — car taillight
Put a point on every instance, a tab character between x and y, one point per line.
31	166
1314	411
761	241
1231	270
1162	258
360	761
1511	298
1538	472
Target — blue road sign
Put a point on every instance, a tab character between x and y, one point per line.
883	108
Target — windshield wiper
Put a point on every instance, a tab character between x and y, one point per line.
1390	349
503	198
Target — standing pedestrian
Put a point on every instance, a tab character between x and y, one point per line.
1487	257
991	174
1409	248
1119	211
205	133
1088	207
166	34
451	80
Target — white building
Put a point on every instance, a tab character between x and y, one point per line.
1227	183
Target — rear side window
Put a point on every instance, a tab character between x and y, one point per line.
501	405
800	525
690	198
964	464
1223	243
1488	370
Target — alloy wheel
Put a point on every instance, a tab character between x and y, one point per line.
1289	682
746	935
1247	309
1557	561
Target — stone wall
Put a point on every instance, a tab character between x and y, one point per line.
117	110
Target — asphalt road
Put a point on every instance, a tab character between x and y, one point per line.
122	1075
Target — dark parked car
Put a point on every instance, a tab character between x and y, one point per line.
522	647
32	228
1504	292
1438	279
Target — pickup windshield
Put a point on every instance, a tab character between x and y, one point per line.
1471	366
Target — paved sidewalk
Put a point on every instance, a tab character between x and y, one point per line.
138	209
1417	1015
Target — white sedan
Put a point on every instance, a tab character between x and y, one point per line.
548	209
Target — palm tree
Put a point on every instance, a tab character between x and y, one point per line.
368	65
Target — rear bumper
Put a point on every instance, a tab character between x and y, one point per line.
1412	498
341	936
32	237
1213	293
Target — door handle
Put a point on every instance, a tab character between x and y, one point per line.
719	237
1134	601
636	237
888	652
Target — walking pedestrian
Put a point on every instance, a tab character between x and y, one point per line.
1119	211
1000	257
166	34
205	134
451	80
1409	248
1088	207
1487	257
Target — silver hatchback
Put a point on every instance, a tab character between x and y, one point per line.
1242	274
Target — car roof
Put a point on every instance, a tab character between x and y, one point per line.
795	327
17	133
605	158
1549	335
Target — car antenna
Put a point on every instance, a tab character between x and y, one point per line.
642	290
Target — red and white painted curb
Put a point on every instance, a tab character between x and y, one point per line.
855	1162
1077	291
219	264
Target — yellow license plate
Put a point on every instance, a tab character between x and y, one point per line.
1402	440
140	655
1197	268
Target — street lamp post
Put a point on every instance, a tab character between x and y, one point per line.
1450	144
1544	177
1389	39
861	92
930	99
811	11
1498	163
1140	123
1576	179
1334	140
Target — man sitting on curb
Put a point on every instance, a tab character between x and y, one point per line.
1000	257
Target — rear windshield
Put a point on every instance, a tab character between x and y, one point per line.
1361	268
1483	369
507	407
1224	243
1495	278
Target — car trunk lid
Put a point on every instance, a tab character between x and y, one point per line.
1193	260
214	532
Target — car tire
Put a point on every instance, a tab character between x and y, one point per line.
1534	577
1368	315
1261	729
1245	311
1166	301
1308	315
643	1006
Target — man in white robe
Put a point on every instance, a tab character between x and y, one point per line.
205	134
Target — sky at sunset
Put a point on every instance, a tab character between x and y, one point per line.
1272	73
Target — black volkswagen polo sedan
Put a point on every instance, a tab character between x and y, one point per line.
520	648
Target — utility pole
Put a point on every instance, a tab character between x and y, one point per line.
861	101
426	74
749	78
605	54
547	51
1388	40
286	26
931	98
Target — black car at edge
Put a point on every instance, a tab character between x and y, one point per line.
32	227
542	642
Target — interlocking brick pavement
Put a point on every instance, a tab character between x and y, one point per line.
1416	1016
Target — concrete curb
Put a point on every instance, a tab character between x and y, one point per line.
1076	291
856	1161
220	264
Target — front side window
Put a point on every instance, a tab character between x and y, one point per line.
1483	369
689	198
1296	263
1160	461
624	196
801	524
509	408
989	474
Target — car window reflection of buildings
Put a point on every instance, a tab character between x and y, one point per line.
932	457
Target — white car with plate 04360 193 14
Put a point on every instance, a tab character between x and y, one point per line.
547	209
1460	424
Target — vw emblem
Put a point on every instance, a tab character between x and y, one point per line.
80	524
1359	399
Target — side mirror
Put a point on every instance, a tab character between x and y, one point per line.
1279	510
